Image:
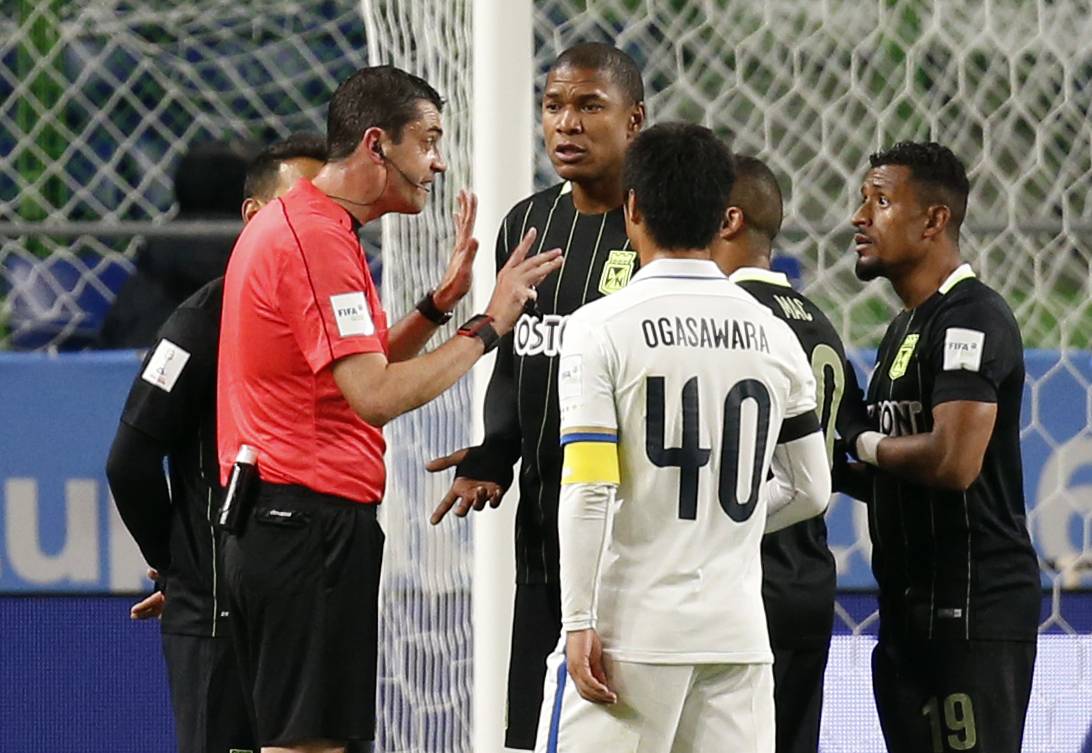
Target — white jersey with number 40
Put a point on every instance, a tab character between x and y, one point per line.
697	383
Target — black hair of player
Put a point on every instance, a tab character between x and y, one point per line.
939	175
261	173
381	96
681	176
757	193
598	56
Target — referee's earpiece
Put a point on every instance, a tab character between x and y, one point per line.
378	149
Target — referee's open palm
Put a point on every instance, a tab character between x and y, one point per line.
516	282
460	267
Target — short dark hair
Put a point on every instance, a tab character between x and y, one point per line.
939	175
757	193
597	56
681	175
378	97
261	173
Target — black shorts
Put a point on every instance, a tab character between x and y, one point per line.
303	580
940	696
798	697
210	709
536	629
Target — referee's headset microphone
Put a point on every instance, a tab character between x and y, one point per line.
378	149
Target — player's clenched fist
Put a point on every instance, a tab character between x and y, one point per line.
516	282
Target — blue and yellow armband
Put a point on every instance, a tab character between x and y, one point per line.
591	456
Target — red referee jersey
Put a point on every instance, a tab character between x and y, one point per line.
297	297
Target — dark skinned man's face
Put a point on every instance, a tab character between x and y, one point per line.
889	223
587	122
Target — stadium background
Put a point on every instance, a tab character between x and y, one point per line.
99	100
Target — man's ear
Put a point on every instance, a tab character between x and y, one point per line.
633	214
636	120
250	208
937	217
733	223
371	145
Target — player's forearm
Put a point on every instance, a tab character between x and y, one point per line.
800	487
928	459
134	470
501	447
949	456
501	410
582	525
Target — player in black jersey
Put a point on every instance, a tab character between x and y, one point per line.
171	413
592	106
959	580
798	572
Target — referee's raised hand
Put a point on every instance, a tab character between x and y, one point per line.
516	282
459	275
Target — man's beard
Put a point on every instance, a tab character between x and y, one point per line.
869	268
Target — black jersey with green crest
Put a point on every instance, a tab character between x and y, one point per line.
953	564
799	577
522	418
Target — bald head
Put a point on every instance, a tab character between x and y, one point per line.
758	196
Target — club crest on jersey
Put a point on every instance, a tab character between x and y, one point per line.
617	271
902	358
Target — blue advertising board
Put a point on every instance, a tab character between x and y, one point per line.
59	531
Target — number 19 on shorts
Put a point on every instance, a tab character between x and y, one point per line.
951	722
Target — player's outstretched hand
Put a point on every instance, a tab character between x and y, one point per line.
149	607
516	282
465	494
584	660
459	275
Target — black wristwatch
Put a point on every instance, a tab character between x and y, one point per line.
427	308
481	327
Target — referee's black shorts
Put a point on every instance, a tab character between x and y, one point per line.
304	584
936	696
536	629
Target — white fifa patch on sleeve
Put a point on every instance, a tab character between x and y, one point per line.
963	349
165	365
571	377
352	314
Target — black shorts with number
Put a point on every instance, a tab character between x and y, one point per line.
304	584
210	710
949	695
536	629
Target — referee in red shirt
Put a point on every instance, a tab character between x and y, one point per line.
308	373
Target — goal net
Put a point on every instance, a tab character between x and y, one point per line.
99	100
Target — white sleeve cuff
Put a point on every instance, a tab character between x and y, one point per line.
868	446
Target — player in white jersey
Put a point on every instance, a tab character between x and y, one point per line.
678	394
